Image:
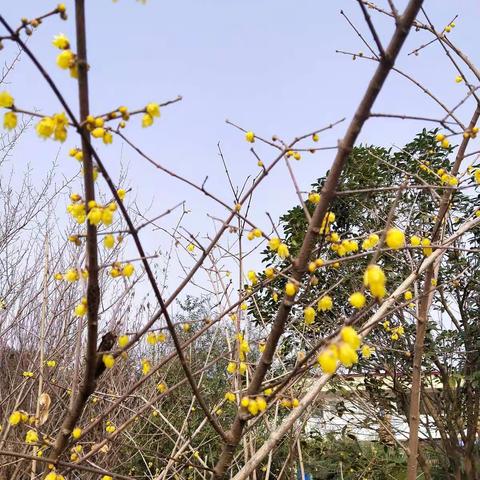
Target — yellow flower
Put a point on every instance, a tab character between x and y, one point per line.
231	367
80	310
445	143
328	360
162	387
290	289
230	396
15	418
357	300
186	327
6	100
252	276
309	315
315	137
65	59
110	428
347	355
250	137
51	363
408	295
76	433
71	275
477	175
261	403
107	138
128	270
109	241
253	407
10	120
95	216
375	280
427	251
325	303
297	156
121	193
242	368
146	366
350	336
147	120
45	127
107	216
274	243
314	197
244	402
107	477
108	360
283	251
31	436
27	374
122	340
458	78
98	132
153	109
395	238
61	41
366	351
415	240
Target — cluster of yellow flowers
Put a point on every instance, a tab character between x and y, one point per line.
370	242
154	338
343	351
71	275
119	270
276	245
54	476
18	416
327	221
66	59
416	241
152	110
96	215
374	279
96	126
232	367
243	347
342	247
295	155
446	178
255	233
289	402
440	137
471	133
75	451
396	332
54	126
10	118
254	405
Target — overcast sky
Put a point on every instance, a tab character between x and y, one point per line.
267	65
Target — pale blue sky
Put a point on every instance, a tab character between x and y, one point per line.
268	65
